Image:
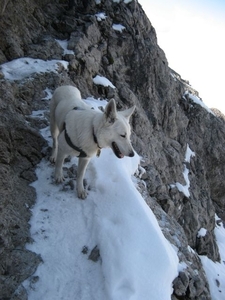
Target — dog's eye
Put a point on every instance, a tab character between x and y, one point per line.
123	135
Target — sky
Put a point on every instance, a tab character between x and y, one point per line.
192	35
65	229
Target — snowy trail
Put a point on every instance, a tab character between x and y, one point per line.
61	227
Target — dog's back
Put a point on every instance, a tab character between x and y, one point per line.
64	99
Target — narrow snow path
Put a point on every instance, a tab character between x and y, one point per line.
61	227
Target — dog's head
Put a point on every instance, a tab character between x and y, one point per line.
115	132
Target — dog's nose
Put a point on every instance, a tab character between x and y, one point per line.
131	154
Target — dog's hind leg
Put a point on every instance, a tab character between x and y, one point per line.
82	166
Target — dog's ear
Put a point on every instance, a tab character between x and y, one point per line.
110	111
128	112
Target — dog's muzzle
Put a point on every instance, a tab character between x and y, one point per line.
131	154
118	153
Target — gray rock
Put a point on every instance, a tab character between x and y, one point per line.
95	254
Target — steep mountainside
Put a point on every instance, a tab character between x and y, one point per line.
166	123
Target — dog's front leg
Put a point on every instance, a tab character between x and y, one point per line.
54	150
62	153
54	133
82	165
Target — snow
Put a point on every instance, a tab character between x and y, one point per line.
21	68
182	266
136	261
197	100
118	27
202	232
189	154
38	114
141	170
191	250
48	94
101	80
100	16
64	45
215	271
185	188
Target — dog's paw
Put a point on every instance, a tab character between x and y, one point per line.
59	179
52	159
82	194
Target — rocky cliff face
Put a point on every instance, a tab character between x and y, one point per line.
166	123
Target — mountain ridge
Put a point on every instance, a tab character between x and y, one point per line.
163	124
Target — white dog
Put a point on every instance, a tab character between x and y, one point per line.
81	131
